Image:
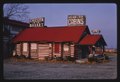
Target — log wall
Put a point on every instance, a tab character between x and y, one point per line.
25	49
34	50
41	50
44	50
72	50
18	49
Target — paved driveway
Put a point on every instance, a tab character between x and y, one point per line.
37	70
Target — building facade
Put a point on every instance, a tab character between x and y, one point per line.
10	29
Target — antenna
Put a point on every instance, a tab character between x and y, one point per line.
95	31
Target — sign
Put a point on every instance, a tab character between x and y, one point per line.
37	22
76	20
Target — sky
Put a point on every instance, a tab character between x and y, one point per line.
98	16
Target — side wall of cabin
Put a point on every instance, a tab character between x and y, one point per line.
41	50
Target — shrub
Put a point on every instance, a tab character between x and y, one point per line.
47	58
106	57
91	59
16	56
59	58
69	58
22	56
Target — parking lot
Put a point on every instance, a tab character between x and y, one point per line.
44	70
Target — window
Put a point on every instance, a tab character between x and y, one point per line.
66	47
25	47
33	46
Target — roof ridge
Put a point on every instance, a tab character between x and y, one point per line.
59	27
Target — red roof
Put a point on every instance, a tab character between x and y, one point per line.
91	39
51	34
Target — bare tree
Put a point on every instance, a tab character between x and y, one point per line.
16	12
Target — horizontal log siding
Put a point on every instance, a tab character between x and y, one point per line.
34	50
66	49
18	49
72	50
25	52
44	50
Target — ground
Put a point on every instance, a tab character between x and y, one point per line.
45	70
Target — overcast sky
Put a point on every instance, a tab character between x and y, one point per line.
98	16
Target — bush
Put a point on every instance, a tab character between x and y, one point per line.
22	56
19	57
91	59
16	56
59	58
106	57
47	58
69	58
100	58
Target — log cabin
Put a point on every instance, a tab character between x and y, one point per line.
62	41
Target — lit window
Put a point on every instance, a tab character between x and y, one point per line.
25	47
33	46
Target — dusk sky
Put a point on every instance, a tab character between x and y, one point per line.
98	16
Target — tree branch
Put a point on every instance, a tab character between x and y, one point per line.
13	11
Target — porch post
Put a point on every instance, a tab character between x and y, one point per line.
37	49
75	51
103	48
29	50
52	50
70	49
21	48
62	47
90	49
15	49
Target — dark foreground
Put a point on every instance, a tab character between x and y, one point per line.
37	70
